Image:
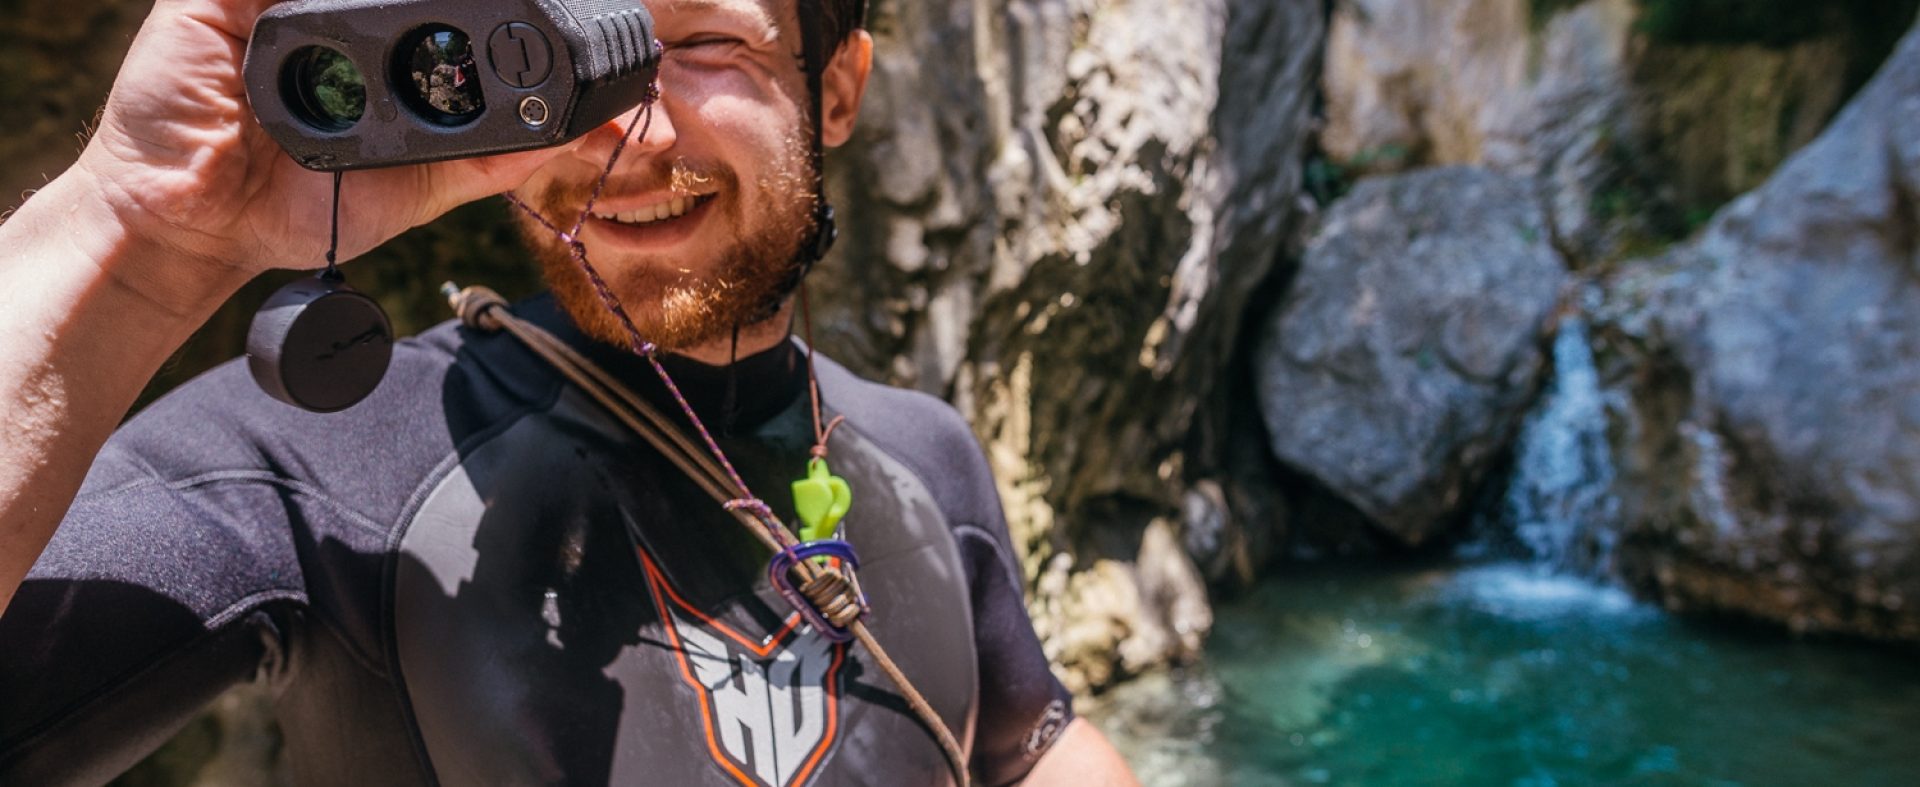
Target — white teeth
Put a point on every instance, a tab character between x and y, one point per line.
678	206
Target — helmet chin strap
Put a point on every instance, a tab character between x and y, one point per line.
815	50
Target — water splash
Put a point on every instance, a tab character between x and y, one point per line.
1559	501
1525	593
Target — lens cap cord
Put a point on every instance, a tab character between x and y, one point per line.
317	343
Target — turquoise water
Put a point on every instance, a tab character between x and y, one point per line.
1507	675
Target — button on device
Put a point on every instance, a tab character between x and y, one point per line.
520	54
534	111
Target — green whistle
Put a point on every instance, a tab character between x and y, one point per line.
820	499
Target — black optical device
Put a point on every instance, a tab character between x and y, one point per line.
353	84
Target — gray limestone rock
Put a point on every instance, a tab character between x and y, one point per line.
1410	342
1770	459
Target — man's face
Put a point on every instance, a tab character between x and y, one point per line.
700	220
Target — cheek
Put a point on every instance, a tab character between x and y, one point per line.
740	100
752	138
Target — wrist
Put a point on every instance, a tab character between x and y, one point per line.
84	221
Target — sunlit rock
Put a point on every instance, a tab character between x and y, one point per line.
1055	213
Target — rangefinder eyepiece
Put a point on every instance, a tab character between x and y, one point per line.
353	84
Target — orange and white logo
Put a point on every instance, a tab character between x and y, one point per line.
770	708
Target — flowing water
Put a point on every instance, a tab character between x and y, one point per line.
1559	504
1526	673
1503	674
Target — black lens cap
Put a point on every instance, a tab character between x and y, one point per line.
319	344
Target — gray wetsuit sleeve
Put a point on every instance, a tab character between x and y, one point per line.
1023	708
151	600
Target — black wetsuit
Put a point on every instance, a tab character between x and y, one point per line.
439	585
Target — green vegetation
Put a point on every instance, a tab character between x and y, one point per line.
1771	22
1540	12
1327	179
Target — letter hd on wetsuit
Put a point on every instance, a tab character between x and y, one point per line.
352	84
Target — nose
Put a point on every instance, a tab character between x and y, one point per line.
649	131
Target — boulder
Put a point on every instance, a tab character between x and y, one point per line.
1769	463
1411	342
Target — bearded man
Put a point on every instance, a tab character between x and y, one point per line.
476	575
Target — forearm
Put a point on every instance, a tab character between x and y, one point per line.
1082	756
88	313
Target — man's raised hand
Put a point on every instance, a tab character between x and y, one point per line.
179	160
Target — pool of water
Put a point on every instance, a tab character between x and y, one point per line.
1508	675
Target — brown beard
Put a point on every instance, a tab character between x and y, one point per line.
671	307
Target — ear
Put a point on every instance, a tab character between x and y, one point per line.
842	86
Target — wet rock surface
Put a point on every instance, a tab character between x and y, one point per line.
1410	342
1770	455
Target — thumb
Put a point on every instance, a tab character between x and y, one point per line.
450	184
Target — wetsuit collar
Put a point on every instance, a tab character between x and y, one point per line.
730	399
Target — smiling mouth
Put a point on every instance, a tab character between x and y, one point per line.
654	214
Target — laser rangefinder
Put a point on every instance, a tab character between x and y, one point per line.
352	84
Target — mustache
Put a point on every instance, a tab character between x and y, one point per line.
560	200
680	175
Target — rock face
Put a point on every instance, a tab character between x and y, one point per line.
1770	459
1057	223
1637	117
1410	342
1464	81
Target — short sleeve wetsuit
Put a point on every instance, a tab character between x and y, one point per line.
439	585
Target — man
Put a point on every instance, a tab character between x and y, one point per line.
475	576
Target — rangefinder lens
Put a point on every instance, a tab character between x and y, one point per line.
445	78
323	88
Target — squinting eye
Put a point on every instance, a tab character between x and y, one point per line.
707	53
700	42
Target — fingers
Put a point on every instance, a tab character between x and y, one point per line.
232	17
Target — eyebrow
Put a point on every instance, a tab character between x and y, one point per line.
757	10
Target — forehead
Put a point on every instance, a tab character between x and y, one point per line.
766	12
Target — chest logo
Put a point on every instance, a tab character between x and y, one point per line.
770	709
